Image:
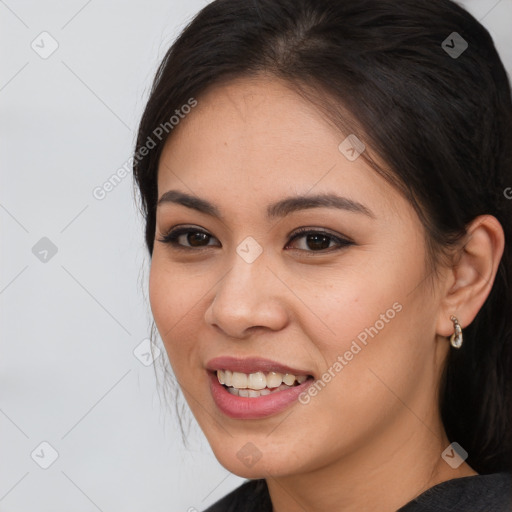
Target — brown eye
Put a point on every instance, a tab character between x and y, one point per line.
196	238
187	238
317	241
193	237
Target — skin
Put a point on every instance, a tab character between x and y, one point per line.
372	438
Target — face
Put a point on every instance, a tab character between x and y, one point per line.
344	307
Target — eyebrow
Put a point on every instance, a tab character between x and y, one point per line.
279	209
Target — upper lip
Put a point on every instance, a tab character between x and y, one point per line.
251	365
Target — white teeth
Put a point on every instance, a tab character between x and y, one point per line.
289	379
239	380
274	380
258	383
252	393
227	377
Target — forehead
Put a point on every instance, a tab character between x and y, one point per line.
255	109
258	135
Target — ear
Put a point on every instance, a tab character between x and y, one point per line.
472	275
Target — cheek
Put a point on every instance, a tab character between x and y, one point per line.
173	298
366	323
355	305
163	304
173	290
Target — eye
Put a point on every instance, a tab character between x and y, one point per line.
319	240
314	240
193	236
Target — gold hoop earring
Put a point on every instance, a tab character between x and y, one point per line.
456	337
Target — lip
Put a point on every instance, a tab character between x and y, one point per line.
246	408
251	365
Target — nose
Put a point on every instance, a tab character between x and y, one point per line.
247	298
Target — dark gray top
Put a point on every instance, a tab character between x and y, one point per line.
479	493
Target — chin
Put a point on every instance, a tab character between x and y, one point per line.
249	461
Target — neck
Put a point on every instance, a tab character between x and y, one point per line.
383	474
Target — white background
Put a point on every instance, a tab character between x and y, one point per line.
68	375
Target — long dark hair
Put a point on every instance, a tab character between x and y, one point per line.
437	112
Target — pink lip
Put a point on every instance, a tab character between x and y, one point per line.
251	365
253	408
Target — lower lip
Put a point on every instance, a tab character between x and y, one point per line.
240	407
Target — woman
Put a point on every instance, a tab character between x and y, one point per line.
326	191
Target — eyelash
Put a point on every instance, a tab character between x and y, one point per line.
171	238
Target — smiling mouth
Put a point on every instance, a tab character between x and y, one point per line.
253	385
